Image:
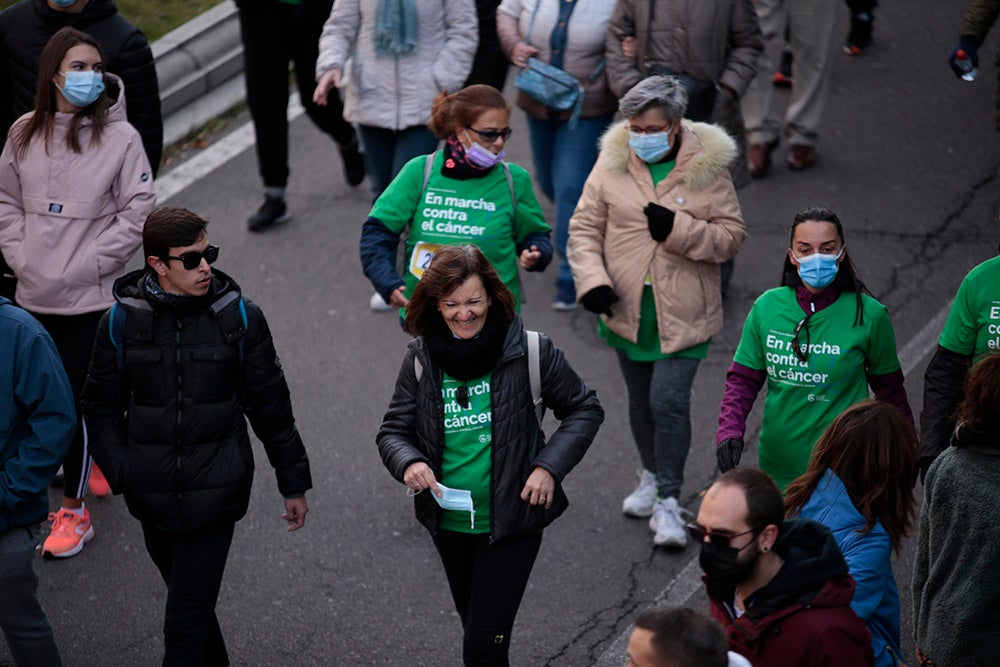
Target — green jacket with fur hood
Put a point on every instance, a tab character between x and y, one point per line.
610	244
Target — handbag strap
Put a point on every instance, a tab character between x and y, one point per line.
531	23
531	26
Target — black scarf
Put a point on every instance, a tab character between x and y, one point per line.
466	358
456	163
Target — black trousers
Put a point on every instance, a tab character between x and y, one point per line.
74	338
487	583
275	34
192	565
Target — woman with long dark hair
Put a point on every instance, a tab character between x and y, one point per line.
818	341
462	426
75	189
859	484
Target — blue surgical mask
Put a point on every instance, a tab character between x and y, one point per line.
82	88
650	147
454	499
482	157
63	3
819	270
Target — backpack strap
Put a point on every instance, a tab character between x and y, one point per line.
428	168
535	374
116	326
418	368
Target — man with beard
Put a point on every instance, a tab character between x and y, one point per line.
780	588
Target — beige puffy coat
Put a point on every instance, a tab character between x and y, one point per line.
609	241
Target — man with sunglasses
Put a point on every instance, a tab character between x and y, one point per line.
169	388
780	588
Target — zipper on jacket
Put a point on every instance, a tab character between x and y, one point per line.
180	396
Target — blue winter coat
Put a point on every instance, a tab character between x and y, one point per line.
37	417
868	556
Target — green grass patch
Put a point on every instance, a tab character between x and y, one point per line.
156	18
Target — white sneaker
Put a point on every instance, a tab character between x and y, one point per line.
378	304
668	524
640	502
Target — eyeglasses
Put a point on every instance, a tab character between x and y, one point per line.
192	260
721	540
802	351
489	136
649	130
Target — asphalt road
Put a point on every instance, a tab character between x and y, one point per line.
908	158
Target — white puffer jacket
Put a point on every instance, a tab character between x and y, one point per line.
396	92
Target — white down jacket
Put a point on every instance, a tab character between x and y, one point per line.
396	92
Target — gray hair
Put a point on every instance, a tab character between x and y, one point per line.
665	93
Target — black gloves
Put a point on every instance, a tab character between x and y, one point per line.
728	453
599	300
970	45
661	221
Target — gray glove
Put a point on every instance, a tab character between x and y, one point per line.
728	453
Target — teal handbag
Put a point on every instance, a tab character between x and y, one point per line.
552	86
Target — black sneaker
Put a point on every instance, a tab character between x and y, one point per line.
859	39
272	212
354	163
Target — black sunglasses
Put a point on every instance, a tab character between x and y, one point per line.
720	540
802	351
192	260
489	136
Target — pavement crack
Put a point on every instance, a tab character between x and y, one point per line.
937	241
594	622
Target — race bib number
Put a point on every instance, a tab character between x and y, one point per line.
421	258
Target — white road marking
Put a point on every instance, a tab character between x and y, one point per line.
214	156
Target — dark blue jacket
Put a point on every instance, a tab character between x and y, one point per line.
37	417
868	556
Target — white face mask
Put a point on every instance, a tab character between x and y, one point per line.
454	499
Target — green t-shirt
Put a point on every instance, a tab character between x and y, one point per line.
647	345
467	458
973	325
803	398
452	211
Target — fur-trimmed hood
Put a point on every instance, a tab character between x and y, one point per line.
705	151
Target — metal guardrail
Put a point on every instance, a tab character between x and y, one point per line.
199	66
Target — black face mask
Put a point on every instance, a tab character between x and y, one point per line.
723	565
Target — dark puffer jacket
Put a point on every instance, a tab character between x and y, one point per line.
803	616
413	430
25	29
173	439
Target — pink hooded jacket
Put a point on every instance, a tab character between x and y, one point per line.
69	222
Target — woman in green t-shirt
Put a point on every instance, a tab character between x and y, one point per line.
819	341
464	193
463	424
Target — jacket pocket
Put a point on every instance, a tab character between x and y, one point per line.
215	374
145	375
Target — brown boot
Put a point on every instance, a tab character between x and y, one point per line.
759	158
801	157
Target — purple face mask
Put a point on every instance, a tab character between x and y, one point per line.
482	157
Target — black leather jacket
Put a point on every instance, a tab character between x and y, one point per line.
413	430
170	431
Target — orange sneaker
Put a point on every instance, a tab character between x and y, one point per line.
98	483
69	533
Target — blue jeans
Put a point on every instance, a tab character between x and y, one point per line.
659	412
563	159
24	622
386	151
